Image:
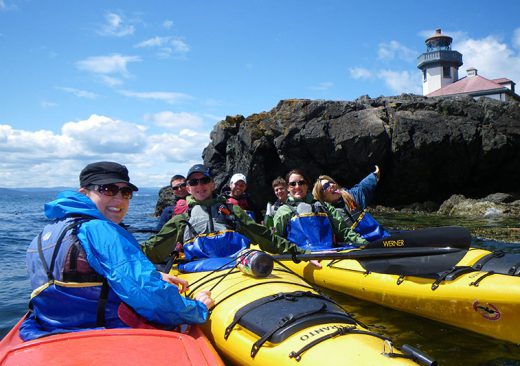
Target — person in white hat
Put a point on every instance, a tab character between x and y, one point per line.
237	195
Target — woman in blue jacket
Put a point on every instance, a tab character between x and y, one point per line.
86	269
351	203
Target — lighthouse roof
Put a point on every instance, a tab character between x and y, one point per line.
467	85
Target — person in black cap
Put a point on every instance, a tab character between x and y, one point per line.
210	230
89	272
172	200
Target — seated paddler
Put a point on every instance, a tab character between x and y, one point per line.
351	203
212	232
88	272
311	224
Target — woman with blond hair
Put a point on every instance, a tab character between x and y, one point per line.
351	203
310	224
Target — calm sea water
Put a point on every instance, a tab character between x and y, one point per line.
21	218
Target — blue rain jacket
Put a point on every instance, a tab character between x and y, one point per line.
113	253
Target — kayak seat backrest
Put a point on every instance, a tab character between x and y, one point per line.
500	262
277	317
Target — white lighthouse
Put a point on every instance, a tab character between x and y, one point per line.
439	64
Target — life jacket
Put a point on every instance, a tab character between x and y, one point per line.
243	203
181	206
68	295
310	227
363	223
210	239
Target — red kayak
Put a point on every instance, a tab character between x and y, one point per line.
112	347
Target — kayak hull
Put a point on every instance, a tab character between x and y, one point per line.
476	301
233	290
110	347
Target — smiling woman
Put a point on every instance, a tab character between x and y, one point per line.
310	224
85	265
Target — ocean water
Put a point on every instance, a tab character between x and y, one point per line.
21	218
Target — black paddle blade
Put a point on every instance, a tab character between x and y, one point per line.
454	237
446	236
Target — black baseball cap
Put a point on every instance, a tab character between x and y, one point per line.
199	168
104	172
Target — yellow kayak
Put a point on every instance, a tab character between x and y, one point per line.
480	292
282	320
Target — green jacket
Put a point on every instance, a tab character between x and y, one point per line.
343	232
160	246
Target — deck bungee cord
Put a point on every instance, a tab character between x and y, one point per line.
276	317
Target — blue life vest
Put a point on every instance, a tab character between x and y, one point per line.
364	224
310	227
68	295
210	241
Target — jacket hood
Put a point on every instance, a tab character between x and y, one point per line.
71	203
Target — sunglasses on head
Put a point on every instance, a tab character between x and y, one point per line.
300	183
179	186
111	190
196	181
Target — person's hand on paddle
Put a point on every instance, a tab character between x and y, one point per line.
377	173
181	284
205	298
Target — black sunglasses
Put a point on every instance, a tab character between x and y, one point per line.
179	186
300	183
196	181
111	190
326	185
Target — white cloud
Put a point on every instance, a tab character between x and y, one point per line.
323	86
29	156
105	67
360	73
79	93
104	135
168	119
167	46
168	97
47	104
490	56
167	24
112	64
395	50
401	81
152	42
115	26
516	38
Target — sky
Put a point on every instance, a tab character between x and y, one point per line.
143	83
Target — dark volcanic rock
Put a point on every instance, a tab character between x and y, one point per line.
427	148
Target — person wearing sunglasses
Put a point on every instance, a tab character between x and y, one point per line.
351	203
176	202
311	224
211	232
168	195
87	271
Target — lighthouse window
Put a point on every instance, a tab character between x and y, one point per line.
424	75
446	71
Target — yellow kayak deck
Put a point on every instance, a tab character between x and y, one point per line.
481	302
318	338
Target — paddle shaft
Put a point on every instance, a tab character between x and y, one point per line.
362	254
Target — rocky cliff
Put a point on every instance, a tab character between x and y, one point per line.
427	148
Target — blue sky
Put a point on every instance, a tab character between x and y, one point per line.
144	82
